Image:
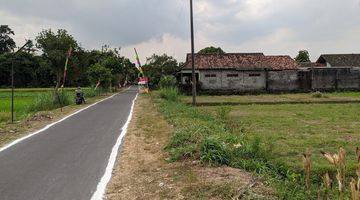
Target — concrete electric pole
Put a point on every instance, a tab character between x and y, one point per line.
193	54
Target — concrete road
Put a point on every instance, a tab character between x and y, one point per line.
66	161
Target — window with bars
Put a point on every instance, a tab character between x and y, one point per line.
254	75
232	75
210	75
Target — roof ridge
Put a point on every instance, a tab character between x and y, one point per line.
336	54
241	60
251	53
277	56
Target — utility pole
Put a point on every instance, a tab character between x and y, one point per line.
12	80
193	54
12	89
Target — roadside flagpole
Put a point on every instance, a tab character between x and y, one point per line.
66	65
141	70
139	63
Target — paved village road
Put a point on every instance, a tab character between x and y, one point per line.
66	161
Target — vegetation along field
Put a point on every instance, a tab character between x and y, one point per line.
269	139
27	101
289	129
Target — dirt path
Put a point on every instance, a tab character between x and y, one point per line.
143	170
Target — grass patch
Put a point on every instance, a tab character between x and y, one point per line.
290	129
266	139
277	98
28	101
50	101
169	93
318	94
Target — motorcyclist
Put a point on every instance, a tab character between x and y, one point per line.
80	96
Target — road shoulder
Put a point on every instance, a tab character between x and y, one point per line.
143	171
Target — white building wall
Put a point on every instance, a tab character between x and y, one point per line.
233	80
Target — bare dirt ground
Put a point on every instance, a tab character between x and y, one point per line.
143	170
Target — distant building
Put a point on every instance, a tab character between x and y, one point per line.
339	60
311	64
256	72
331	72
242	72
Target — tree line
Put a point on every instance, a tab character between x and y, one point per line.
41	63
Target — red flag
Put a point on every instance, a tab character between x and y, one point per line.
138	61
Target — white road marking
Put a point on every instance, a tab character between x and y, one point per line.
50	125
101	187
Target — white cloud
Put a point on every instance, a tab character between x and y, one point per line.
254	10
167	43
162	26
28	27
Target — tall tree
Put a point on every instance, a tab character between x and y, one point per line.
55	46
211	50
7	44
303	56
29	47
99	73
160	65
25	67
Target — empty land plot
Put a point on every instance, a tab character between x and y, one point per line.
290	129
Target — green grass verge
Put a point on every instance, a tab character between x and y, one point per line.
28	101
267	140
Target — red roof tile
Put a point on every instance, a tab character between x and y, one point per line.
241	61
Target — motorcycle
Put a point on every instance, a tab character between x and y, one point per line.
79	99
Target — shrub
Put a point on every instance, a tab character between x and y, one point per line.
213	151
4	116
91	92
203	136
318	94
50	100
63	98
223	113
170	93
168	82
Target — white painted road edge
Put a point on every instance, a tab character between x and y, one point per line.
50	125
101	187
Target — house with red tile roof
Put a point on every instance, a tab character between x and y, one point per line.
242	72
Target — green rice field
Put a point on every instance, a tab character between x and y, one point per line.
24	98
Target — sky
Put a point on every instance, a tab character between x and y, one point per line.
275	27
